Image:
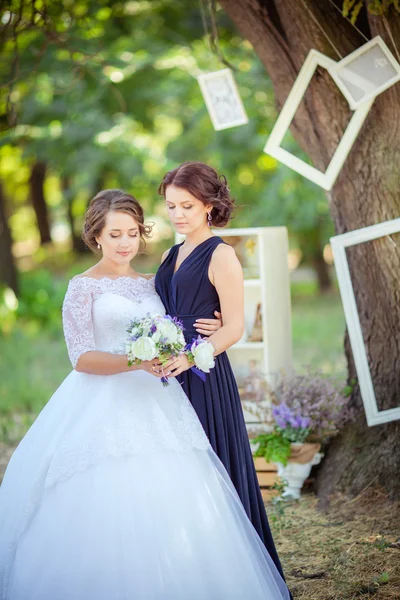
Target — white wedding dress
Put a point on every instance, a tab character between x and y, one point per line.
115	493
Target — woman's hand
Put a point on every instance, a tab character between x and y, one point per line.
153	367
208	326
176	365
166	369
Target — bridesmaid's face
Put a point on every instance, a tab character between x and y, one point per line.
120	237
187	213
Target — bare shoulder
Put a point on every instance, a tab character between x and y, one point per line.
224	255
225	266
165	254
147	276
89	273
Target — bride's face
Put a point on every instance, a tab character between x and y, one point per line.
186	212
119	238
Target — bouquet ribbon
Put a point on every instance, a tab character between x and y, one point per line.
199	373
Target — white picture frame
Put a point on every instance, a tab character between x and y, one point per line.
222	99
273	146
366	72
339	244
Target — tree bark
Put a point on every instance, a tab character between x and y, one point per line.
366	192
312	248
36	182
322	272
77	242
8	270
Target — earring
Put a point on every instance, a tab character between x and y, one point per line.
209	219
98	246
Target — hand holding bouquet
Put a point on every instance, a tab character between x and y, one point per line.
156	336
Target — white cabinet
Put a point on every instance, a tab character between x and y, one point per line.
263	253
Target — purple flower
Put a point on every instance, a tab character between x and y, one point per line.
276	412
281	422
305	422
316	401
153	328
295	422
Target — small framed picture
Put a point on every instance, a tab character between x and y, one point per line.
273	146
339	244
366	72
222	99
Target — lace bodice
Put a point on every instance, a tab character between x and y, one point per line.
97	312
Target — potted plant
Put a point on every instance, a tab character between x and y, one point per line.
307	411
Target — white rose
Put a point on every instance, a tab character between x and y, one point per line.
156	335
166	330
144	348
203	356
134	330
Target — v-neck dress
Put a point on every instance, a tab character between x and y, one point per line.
189	295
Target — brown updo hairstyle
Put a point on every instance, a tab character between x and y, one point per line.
204	183
104	202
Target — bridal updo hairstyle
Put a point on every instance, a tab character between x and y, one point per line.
104	202
204	183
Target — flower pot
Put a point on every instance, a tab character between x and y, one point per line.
296	471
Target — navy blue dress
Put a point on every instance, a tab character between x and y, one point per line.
189	295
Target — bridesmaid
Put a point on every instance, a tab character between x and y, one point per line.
197	277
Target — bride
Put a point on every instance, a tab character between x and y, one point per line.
115	493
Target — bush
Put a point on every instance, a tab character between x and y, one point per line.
40	299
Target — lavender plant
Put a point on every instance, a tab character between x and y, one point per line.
306	408
315	398
291	425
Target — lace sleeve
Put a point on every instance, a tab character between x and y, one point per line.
77	319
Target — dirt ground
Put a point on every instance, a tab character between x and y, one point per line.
351	551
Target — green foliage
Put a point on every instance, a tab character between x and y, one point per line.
273	447
40	299
33	364
352	8
8	309
114	101
349	388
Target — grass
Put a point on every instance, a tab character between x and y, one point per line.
349	552
33	364
318	326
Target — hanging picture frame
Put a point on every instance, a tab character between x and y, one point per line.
339	244
222	99
366	72
273	147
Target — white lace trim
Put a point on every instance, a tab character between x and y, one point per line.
78	302
133	437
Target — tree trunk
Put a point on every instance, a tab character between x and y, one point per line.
322	272
312	248
36	182
77	242
8	271
366	193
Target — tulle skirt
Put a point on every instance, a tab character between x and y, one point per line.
116	494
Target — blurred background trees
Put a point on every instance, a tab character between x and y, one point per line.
104	94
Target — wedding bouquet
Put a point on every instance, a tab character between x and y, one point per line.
201	353
156	336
